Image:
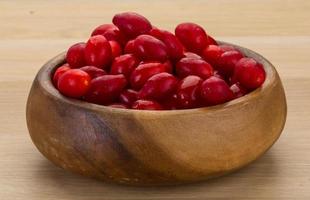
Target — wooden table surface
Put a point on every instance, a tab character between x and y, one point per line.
32	31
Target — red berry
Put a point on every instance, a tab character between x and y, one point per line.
212	54
143	72
227	62
115	48
129	47
188	92
110	32
118	105
132	24
59	71
128	97
175	48
93	72
192	55
192	36
74	83
98	52
106	89
75	55
215	91
146	105
158	86
249	73
149	48
190	66
124	64
238	90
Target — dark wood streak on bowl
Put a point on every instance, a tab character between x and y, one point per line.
154	147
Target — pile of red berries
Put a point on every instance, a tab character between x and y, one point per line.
132	64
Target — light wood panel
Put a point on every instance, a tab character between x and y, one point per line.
31	32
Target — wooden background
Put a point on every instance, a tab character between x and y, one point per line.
32	31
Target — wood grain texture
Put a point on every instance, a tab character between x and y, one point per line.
33	31
154	147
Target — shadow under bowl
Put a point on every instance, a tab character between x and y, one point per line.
141	147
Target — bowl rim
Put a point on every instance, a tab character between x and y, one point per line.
45	81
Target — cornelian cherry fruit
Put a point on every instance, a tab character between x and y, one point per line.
74	83
106	89
158	87
249	73
215	91
98	52
132	24
190	66
149	48
192	36
75	55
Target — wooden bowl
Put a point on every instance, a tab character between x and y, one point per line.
154	147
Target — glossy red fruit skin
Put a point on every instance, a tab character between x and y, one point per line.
190	66
110	32
227	62
116	48
148	48
158	87
93	72
175	48
146	105
132	24
74	83
192	55
106	89
98	52
212	53
118	105
124	64
75	55
238	90
215	91
129	49
59	71
249	73
188	92
192	36
128	97
143	72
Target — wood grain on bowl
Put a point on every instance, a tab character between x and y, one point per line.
154	147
